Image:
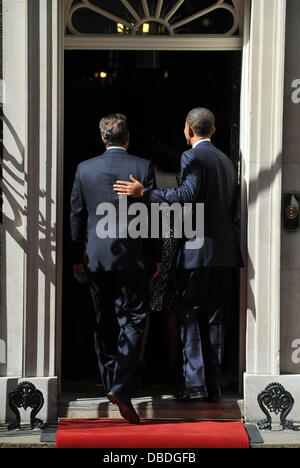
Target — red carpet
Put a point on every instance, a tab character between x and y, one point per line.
112	433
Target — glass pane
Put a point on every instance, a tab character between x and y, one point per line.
190	7
216	22
138	6
89	22
115	7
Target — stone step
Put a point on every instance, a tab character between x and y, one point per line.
154	406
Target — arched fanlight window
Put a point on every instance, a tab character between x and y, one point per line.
153	17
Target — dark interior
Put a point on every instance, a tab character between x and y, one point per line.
155	90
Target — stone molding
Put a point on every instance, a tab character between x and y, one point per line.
262	159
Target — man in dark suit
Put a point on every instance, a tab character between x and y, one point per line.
116	266
207	176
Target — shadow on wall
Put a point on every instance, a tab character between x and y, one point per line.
28	229
256	187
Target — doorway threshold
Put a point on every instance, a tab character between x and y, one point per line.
154	404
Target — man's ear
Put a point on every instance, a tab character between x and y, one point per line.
191	132
213	131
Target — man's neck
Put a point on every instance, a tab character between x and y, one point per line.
195	139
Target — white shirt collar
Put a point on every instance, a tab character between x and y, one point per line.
116	147
200	141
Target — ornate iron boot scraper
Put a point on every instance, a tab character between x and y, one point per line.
275	399
27	396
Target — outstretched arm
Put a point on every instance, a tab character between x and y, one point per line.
187	192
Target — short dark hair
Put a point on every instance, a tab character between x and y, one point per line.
201	120
114	129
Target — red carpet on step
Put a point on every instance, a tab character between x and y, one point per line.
112	433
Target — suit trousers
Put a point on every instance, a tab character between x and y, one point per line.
201	316
120	300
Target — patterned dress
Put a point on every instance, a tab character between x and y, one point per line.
163	290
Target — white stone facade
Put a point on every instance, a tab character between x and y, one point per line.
30	335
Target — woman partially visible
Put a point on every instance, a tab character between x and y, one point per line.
163	290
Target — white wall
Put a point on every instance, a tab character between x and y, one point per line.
290	252
32	53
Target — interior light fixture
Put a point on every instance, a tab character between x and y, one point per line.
146	28
120	28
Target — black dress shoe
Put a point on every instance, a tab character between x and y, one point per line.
127	411
191	394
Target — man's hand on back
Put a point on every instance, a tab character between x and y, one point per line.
131	189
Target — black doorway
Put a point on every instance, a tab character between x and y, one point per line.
155	90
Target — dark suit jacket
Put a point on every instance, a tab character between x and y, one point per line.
207	176
94	185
